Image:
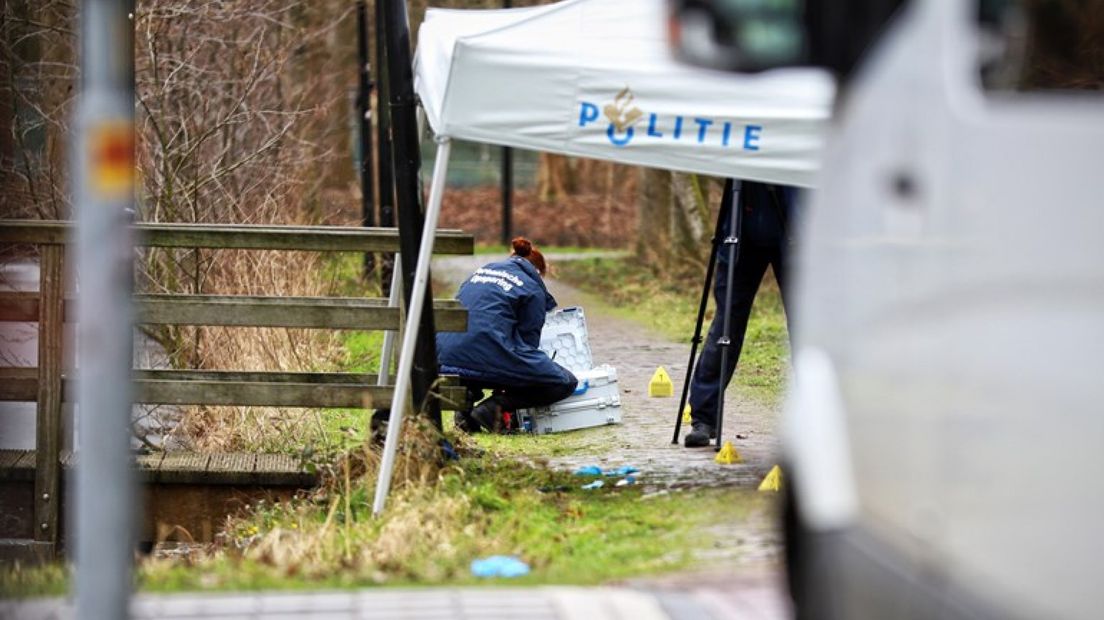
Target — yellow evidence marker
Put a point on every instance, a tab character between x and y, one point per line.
686	419
773	480
728	455
661	385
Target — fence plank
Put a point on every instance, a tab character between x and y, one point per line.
261	389
48	422
19	306
18	384
263	311
301	312
243	237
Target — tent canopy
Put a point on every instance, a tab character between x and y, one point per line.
594	78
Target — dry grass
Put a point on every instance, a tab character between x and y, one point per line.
288	274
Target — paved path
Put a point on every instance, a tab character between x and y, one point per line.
544	603
644	438
746	559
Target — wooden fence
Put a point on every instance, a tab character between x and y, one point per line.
50	383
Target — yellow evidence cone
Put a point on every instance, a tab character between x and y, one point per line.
686	419
728	455
661	385
773	480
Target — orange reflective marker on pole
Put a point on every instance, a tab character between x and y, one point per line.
111	169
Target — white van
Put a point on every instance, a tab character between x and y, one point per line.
945	428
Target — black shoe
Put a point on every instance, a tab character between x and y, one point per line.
464	422
377	427
699	435
488	415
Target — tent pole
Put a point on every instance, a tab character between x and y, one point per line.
408	190
410	336
507	181
726	206
389	336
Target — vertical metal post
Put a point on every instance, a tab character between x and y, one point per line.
383	125
412	334
407	167
364	113
507	195
104	192
507	182
732	245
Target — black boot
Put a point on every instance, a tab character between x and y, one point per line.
488	415
464	422
377	427
699	435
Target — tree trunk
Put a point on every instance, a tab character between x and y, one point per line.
676	220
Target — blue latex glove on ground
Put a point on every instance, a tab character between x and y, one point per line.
499	566
589	470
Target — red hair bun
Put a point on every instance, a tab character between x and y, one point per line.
522	246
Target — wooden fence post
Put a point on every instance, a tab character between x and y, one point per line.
51	319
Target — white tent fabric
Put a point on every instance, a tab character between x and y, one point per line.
595	78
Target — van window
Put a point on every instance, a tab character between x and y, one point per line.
1041	45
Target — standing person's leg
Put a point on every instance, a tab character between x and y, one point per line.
707	372
780	265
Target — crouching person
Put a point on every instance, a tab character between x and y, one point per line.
506	302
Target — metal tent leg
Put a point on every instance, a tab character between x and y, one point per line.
410	335
389	336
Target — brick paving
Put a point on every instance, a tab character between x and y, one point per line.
643	440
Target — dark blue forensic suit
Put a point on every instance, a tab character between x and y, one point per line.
506	303
763	241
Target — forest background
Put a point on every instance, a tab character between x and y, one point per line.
246	113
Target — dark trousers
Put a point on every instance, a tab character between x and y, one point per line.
514	397
750	269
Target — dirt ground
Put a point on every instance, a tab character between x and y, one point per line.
746	559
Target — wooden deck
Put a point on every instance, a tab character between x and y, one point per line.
234	469
188	495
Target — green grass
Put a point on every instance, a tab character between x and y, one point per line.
669	307
496	502
430	534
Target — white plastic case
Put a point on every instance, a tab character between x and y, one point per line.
597	402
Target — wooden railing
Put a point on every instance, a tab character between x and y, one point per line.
50	384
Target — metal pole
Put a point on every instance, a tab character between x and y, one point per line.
383	125
104	193
389	336
726	209
732	242
507	182
364	112
407	166
411	335
507	195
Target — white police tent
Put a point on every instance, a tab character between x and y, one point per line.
595	78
